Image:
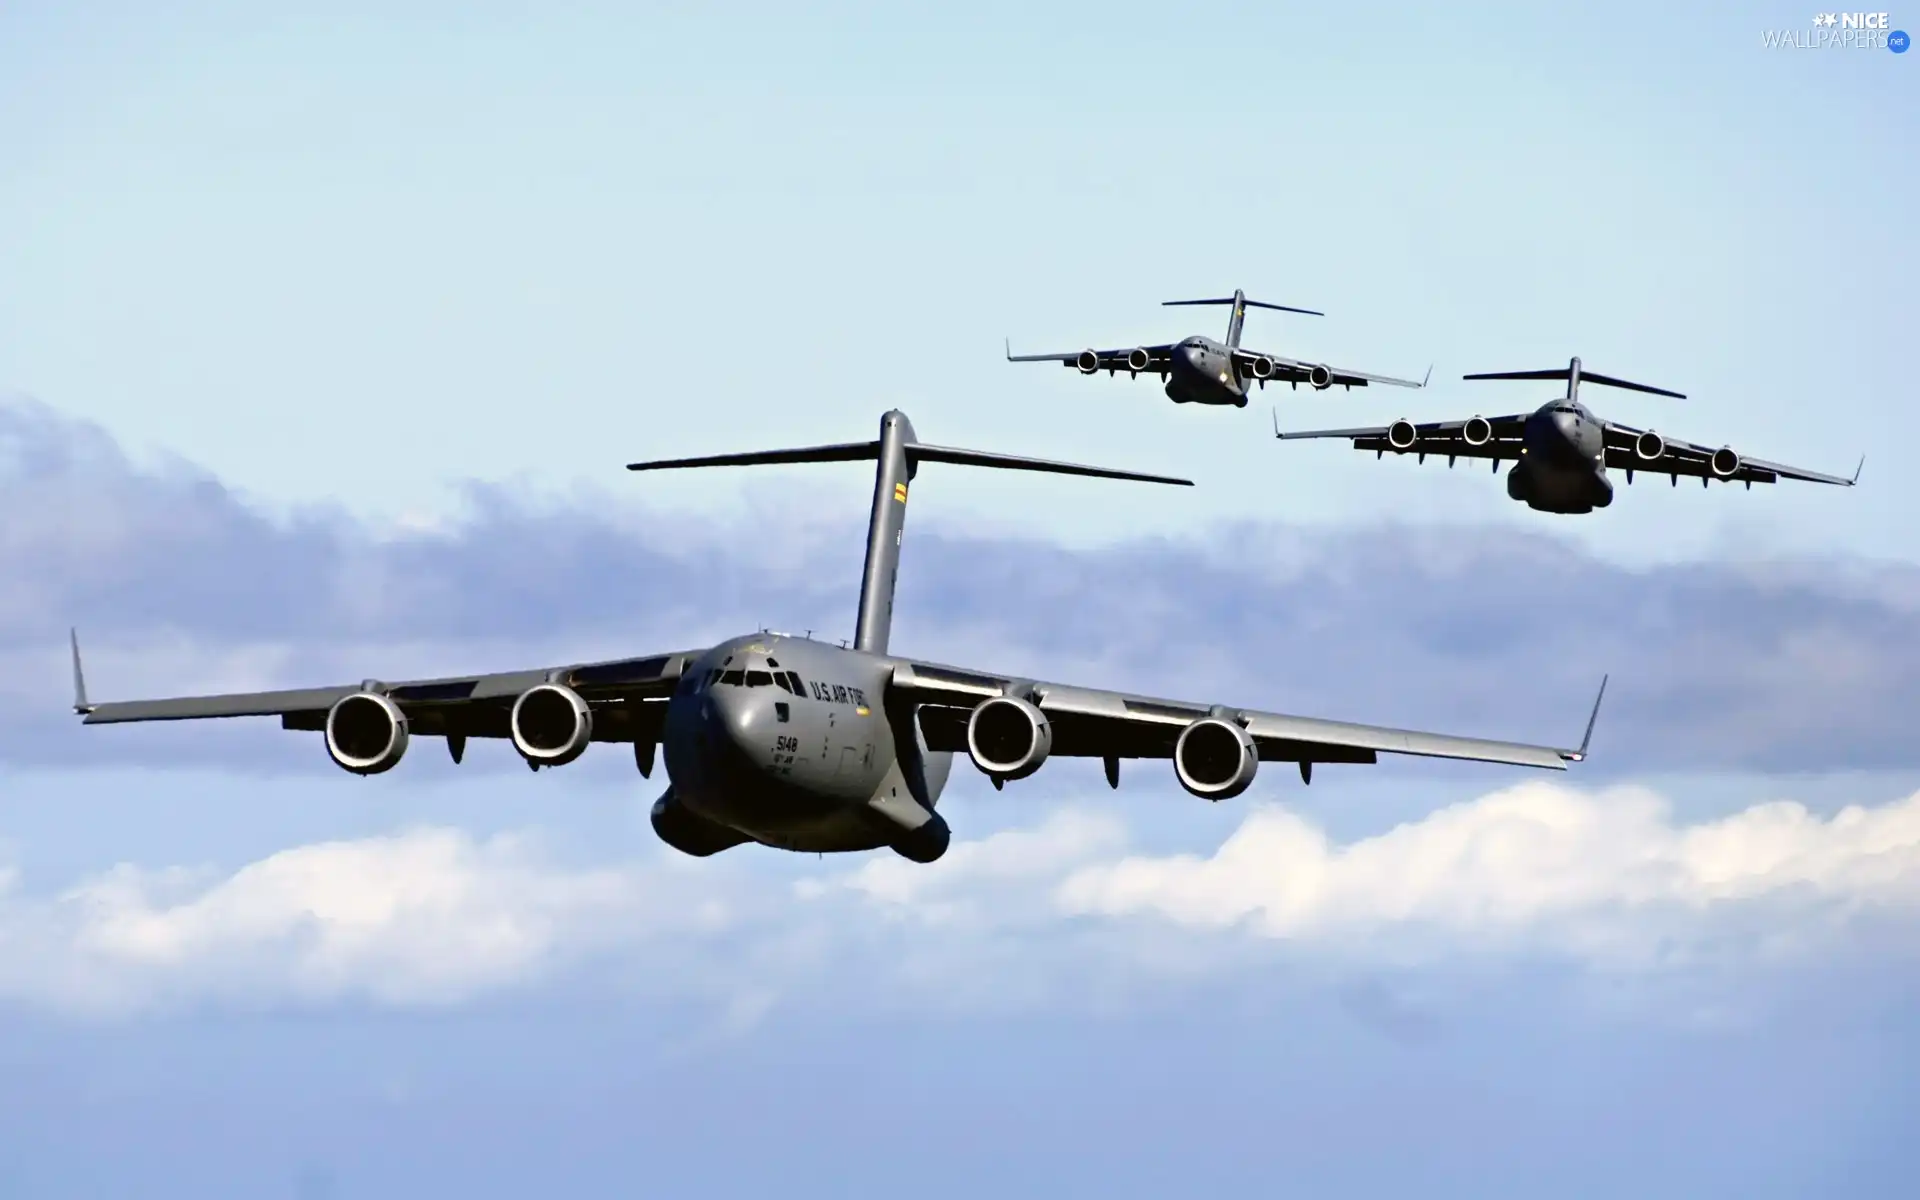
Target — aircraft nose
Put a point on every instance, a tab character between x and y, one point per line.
1567	425
739	716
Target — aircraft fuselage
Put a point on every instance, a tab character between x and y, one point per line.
785	742
1564	467
1202	371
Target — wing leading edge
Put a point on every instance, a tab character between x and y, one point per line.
1294	371
1677	458
628	697
1089	723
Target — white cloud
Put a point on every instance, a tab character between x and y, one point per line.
1605	875
435	916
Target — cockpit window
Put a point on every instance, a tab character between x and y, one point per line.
759	679
794	685
734	677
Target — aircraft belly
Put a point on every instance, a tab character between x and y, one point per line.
1185	385
1559	489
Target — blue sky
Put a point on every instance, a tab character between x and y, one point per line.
323	338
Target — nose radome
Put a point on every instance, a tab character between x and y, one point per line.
742	714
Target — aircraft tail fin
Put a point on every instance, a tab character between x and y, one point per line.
1575	375
1240	306
898	454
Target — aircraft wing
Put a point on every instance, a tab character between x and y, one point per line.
1498	438
1158	359
628	697
1294	371
1088	723
1685	458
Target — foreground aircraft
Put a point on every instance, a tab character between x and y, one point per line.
1561	451
805	746
1199	370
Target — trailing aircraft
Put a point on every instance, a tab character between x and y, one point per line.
1199	370
1561	451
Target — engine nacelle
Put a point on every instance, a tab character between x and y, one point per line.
1262	367
1478	431
1138	360
1320	376
1724	462
366	733
551	725
1088	361
1401	435
1215	759
1649	446
1008	737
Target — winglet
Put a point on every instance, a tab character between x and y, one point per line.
1009	342
1276	422
80	704
1856	471
1586	740
1427	376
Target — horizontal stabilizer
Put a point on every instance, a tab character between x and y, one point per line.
844	452
1583	375
1249	303
980	458
916	452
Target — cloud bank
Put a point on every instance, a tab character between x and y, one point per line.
1064	910
179	585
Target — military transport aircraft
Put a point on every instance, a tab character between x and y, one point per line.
1561	451
806	746
1199	370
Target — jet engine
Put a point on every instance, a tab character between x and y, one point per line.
1724	462
1138	360
551	725
1478	431
1320	376
1401	435
1262	367
366	733
1008	737
1649	446
1088	361
1215	759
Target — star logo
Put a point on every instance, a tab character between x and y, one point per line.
1823	19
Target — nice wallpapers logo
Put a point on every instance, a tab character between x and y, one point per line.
1841	31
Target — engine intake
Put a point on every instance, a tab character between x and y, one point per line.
1215	759
551	725
1724	462
1401	435
366	733
1262	367
1008	737
1649	446
1088	361
1320	376
1478	431
1138	360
